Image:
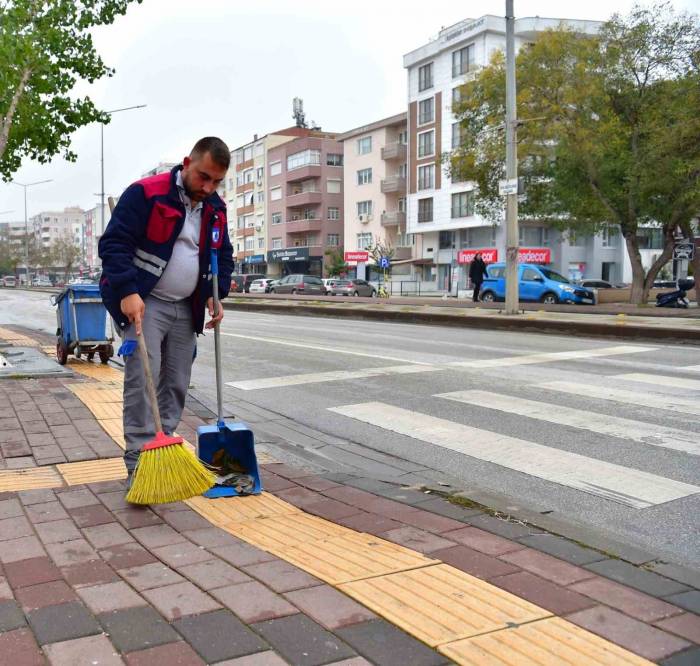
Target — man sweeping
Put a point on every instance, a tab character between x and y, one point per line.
156	279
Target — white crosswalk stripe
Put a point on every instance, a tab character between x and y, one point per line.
646	398
621	484
612	426
661	380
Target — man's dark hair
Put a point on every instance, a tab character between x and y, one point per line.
218	150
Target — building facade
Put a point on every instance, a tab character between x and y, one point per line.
375	197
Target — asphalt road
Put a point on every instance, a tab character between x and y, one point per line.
600	433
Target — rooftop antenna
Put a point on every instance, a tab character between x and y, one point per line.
298	108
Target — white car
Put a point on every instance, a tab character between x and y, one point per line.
260	286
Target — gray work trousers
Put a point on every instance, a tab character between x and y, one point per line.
170	340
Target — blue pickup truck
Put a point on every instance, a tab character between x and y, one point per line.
535	283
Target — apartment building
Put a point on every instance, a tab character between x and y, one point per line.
305	203
68	224
96	221
375	197
441	211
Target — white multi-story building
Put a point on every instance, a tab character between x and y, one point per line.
50	226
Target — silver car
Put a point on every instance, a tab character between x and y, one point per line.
353	288
299	284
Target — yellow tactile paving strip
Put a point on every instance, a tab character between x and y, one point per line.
99	371
91	471
550	641
440	604
16	339
29	478
227	512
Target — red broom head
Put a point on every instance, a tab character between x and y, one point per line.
160	440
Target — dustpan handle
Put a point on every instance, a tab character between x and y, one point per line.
217	340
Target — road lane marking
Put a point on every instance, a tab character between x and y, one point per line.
661	380
550	357
690	368
612	426
643	399
625	485
335	375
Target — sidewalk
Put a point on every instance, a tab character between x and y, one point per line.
622	321
320	569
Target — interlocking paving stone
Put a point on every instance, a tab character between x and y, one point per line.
74	499
274	483
133	629
94	572
268	658
547	567
329	607
87	650
113	500
36	570
10	508
622	630
14	528
448	509
181	554
71	552
281	576
219	635
186	520
62	622
685	575
484	542
154	536
383	643
109	597
57	531
20	549
688	600
242	554
555	598
370	523
21	645
563	549
630	601
316	483
172	654
106	536
91	515
689	657
45	594
417	539
303	642
330	509
139	517
11	616
5	591
154	574
686	625
253	602
474	562
431	522
127	555
644	581
213	573
181	599
211	537
46	511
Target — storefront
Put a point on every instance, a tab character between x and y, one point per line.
294	260
254	264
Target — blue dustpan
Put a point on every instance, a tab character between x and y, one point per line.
235	439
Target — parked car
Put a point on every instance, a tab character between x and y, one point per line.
9	281
261	286
353	288
241	283
329	282
535	283
41	282
299	284
596	284
673	284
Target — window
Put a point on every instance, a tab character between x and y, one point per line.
577	240
260	221
650	238
462	204
456	95
303	158
249	198
364	176
240	201
403	137
609	236
238	157
425	210
364	241
276	243
261	243
426	111
531	275
403	171
426	177
250	243
405	240
456	135
333	213
533	236
249	175
276	218
446	240
364	208
248	221
425	77
426	143
275	168
402	204
260	196
259	149
333	240
275	194
334	159
248	153
364	145
462	59
259	173
333	186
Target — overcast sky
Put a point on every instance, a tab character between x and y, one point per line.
231	69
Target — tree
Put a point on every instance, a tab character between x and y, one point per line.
65	254
45	48
336	262
610	132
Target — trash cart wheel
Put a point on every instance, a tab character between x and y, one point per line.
61	352
106	354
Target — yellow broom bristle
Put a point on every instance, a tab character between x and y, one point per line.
168	474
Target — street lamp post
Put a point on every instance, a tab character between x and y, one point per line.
26	226
102	158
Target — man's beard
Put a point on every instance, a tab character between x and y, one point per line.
194	196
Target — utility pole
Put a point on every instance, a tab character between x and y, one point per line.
26	224
511	168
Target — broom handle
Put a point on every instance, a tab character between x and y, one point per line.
143	353
217	340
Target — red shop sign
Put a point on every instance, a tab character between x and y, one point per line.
489	255
534	255
359	257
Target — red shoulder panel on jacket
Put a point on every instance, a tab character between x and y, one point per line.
155	185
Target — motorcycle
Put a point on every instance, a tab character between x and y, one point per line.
675	299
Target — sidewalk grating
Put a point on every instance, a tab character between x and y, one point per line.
440	604
29	479
93	471
548	641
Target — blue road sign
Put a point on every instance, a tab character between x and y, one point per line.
384	262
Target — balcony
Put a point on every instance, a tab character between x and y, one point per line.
394	151
393	184
247	231
393	218
297	226
402	253
304	172
304	198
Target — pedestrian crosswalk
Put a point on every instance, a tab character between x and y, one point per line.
662	380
